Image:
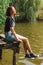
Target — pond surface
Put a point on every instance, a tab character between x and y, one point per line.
34	32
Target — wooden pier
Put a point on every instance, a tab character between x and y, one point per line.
15	46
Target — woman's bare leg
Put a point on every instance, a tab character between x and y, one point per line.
27	47
26	44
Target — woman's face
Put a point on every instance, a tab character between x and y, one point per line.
13	10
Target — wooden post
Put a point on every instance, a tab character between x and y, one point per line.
14	57
0	53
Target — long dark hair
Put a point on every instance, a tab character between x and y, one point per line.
9	11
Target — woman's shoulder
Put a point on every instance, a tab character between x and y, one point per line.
8	18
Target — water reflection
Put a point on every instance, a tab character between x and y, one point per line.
26	62
37	61
42	63
35	34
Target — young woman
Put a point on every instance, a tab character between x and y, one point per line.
11	35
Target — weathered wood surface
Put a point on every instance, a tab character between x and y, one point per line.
9	45
1	39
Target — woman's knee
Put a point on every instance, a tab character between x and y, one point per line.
25	39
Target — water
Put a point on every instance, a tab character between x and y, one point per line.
34	32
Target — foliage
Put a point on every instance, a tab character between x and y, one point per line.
30	14
28	8
25	8
3	5
36	5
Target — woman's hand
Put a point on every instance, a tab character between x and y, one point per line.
18	39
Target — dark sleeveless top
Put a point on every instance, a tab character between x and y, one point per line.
10	22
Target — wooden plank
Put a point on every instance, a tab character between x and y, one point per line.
2	43
8	45
2	36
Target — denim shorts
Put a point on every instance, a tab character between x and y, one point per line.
9	36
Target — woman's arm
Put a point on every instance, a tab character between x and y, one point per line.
14	33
